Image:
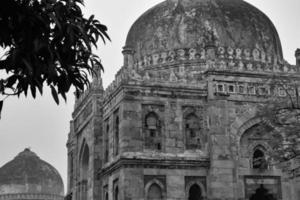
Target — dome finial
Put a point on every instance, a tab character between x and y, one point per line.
27	152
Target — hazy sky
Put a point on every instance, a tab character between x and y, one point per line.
43	126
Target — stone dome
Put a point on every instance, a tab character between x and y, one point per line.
28	174
184	24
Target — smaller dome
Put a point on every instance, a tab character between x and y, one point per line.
28	174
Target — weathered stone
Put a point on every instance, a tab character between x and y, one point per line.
186	99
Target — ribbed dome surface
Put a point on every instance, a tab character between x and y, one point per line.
175	24
28	174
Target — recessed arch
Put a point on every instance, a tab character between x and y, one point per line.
192	131
195	192
195	185
154	190
246	122
259	157
116	135
152	120
152	131
84	159
116	193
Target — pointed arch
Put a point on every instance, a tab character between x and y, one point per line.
153	137
197	188
154	190
259	158
116	193
192	131
84	159
116	134
195	192
152	121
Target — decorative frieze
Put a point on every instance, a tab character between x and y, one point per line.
253	89
198	54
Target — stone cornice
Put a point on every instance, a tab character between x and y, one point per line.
171	91
23	196
154	163
250	74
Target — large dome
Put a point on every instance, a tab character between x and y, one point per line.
28	174
184	24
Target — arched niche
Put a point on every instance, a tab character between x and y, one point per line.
84	159
116	135
259	158
192	132
152	125
257	142
116	193
154	190
195	190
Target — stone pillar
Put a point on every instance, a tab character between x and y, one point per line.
221	174
297	55
128	56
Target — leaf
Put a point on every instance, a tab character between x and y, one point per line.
11	81
33	91
63	94
1	86
1	106
54	94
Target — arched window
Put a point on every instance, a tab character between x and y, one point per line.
116	142
106	144
152	121
84	169
259	160
154	192
84	162
195	192
192	132
116	193
106	196
71	169
153	132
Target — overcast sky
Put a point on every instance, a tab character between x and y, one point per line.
43	126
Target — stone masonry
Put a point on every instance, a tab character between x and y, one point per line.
180	119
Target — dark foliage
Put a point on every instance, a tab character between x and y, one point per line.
48	42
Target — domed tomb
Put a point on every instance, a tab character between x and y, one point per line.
186	24
29	176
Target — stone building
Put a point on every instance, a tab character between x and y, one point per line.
27	177
180	119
